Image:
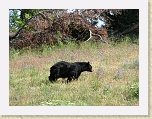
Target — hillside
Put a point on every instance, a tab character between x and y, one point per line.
114	80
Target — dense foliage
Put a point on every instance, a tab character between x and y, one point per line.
127	19
36	27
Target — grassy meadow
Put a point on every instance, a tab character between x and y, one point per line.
113	82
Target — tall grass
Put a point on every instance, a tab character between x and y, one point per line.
114	80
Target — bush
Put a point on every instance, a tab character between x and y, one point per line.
132	91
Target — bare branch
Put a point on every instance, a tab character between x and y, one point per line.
95	35
90	36
130	29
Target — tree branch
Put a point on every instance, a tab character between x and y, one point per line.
96	35
130	29
13	36
90	36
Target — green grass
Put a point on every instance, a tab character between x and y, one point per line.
114	80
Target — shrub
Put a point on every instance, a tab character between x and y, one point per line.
132	91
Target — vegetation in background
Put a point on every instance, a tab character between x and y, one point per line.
34	28
18	17
126	19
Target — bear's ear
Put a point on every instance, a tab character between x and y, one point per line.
88	62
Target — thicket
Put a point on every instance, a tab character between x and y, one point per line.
32	28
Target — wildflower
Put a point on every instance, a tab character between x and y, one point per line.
119	73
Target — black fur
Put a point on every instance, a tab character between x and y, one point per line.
68	70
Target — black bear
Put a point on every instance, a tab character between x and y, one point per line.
68	70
